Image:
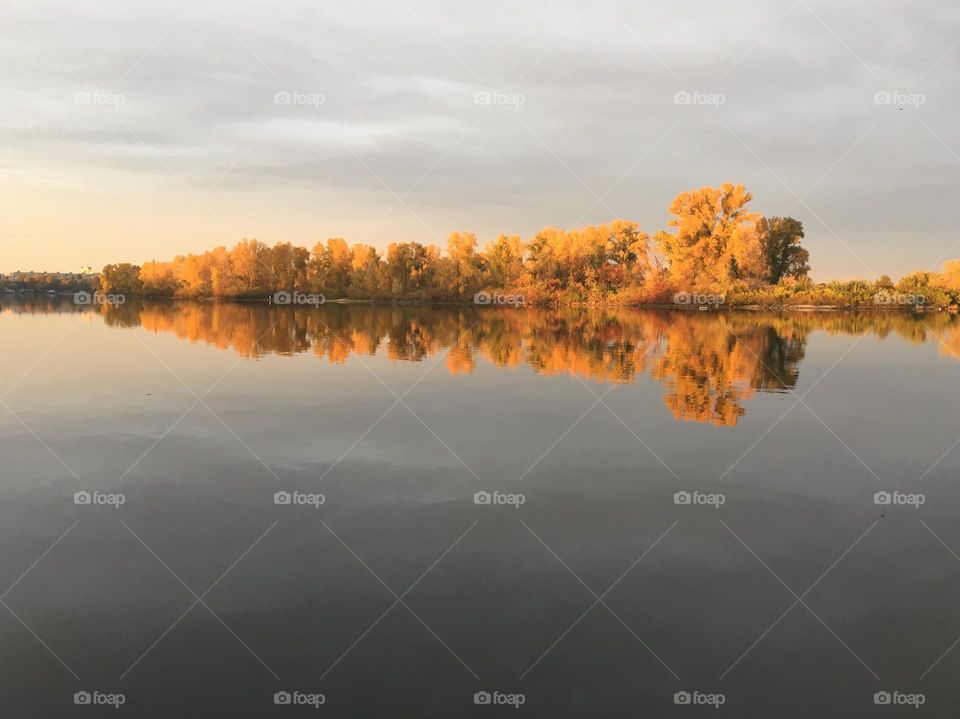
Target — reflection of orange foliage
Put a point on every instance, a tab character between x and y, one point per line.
599	347
950	342
710	365
706	372
460	359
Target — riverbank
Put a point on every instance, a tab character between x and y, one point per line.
556	304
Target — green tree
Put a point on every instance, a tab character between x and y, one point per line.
122	278
780	239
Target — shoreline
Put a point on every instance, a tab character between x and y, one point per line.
544	305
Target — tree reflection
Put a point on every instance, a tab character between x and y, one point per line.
710	364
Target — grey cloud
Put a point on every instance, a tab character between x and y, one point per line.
398	85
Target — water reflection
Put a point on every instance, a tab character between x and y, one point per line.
710	364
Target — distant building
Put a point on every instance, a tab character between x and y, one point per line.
86	270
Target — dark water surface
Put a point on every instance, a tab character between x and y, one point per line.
601	595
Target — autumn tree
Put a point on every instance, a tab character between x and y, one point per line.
221	272
583	254
339	264
365	270
248	268
543	263
504	261
707	221
629	247
318	267
287	266
462	271
158	279
950	279
410	266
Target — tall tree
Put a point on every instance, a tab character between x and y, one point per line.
158	279
463	269
504	261
780	238
629	248
249	272
707	220
365	270
340	264
122	278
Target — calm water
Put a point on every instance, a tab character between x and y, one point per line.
782	586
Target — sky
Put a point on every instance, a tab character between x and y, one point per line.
135	131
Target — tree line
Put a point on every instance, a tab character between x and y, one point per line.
714	244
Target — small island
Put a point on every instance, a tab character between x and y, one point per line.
716	251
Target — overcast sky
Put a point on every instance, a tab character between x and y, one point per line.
131	131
